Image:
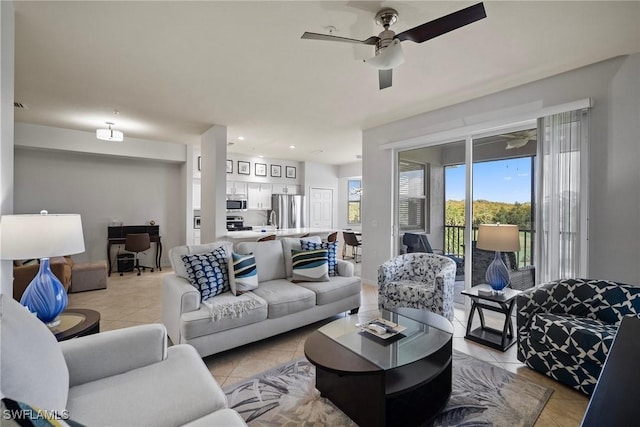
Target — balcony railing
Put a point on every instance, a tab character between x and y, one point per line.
454	243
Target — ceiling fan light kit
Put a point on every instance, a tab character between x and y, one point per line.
388	54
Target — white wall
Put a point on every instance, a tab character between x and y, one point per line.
101	189
614	235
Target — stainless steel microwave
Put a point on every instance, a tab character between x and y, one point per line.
236	204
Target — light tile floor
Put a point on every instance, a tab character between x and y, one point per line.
133	300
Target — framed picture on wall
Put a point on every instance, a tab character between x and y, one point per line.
199	163
290	171
229	166
244	168
276	171
260	169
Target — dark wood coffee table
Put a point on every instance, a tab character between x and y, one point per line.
76	322
404	382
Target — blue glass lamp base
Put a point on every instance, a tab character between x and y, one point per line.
497	275
45	296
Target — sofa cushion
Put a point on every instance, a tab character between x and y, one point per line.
574	335
269	258
208	272
284	297
223	312
243	274
336	289
332	253
167	393
310	266
33	368
175	255
289	243
223	417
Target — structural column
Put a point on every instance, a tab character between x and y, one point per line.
7	60
213	145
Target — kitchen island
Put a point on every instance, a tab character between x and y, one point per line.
252	236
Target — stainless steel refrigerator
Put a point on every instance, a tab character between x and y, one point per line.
290	210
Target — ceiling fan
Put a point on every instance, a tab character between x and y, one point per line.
520	139
388	50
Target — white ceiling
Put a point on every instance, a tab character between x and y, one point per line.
173	69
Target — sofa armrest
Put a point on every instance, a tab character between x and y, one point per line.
178	297
345	268
102	355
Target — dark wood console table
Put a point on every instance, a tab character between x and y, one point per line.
614	402
118	234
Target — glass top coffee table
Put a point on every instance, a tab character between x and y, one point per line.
403	380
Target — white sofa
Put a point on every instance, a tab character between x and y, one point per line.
126	377
276	306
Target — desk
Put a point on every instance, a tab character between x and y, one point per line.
117	236
500	340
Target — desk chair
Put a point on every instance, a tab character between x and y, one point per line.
137	242
350	239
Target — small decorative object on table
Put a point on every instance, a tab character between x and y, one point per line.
381	328
42	236
498	237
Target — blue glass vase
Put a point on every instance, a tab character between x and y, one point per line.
45	296
497	275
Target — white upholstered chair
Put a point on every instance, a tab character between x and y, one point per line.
126	377
418	280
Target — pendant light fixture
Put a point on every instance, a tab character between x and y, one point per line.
109	134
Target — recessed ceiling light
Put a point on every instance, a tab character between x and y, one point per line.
292	147
241	138
261	156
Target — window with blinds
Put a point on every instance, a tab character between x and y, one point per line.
412	198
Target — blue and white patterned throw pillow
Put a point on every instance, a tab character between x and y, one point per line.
332	253
208	272
310	266
244	274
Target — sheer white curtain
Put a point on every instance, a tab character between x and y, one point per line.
562	196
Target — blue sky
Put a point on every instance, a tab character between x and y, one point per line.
497	181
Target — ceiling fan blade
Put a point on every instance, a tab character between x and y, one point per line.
443	25
315	36
385	77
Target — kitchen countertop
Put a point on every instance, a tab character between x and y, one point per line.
285	232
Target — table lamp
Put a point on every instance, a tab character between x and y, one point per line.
499	238
42	236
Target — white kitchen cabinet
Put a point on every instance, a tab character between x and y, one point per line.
285	189
259	196
235	188
196	237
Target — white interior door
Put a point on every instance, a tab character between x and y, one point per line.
321	207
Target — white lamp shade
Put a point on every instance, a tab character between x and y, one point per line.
109	135
498	237
389	58
40	236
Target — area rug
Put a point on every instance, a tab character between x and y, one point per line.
482	395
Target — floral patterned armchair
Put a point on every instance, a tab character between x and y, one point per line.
418	280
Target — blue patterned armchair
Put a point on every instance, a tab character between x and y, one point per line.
418	280
566	328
